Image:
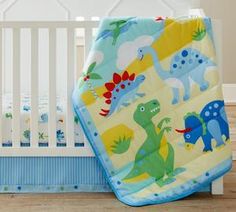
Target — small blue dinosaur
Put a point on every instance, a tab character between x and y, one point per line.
186	65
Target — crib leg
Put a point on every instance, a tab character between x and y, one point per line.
217	187
234	155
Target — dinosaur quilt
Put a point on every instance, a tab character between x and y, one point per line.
151	106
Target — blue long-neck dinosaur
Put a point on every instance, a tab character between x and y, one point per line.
187	64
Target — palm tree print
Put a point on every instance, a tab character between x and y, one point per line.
88	76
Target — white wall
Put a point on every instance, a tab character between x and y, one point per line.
224	10
58	9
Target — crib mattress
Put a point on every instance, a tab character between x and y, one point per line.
25	111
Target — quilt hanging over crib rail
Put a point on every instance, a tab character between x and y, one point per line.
151	105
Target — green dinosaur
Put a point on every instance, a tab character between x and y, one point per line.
156	156
119	27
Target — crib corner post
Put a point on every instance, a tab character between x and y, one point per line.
217	186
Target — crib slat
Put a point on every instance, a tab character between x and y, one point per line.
88	40
34	88
16	89
70	86
0	86
52	88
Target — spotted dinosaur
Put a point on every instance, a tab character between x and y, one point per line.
156	156
210	124
186	66
121	91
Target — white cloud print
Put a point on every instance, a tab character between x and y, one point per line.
128	50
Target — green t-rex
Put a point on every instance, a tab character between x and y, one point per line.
156	156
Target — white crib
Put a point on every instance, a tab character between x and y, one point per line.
71	75
34	149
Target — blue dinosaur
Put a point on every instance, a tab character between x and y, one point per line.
26	108
210	124
121	91
60	135
186	65
43	118
120	26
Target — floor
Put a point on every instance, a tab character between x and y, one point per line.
103	202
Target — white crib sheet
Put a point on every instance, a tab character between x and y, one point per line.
43	122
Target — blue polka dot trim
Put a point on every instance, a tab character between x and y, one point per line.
207	174
184	53
95	134
174	66
75	187
200	61
118	182
19	187
183	62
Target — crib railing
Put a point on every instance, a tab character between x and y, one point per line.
71	76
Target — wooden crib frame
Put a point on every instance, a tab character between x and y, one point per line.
52	149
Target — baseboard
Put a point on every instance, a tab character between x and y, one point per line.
229	91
